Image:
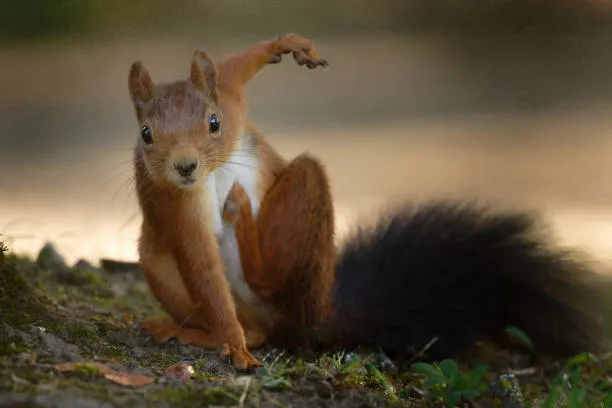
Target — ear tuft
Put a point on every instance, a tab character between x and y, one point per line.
141	86
204	74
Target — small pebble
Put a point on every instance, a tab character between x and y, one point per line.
348	357
83	265
19	381
506	387
180	371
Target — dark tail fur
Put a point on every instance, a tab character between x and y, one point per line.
459	273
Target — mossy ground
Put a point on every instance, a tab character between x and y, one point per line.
58	314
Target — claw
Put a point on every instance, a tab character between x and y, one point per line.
225	352
303	51
239	357
275	59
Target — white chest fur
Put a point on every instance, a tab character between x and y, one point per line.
242	167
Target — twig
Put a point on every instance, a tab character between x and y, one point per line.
276	360
473	403
523	371
423	350
268	354
244	392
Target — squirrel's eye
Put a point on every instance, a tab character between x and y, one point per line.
145	132
213	123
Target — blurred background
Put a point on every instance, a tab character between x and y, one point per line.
502	101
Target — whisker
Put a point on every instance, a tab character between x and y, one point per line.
222	162
248	152
150	182
126	185
126	161
231	171
129	221
216	161
122	173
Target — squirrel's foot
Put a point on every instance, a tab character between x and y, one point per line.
161	330
241	358
236	199
303	51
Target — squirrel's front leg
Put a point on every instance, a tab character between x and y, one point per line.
188	280
186	275
199	263
237	69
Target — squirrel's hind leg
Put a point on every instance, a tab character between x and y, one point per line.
288	252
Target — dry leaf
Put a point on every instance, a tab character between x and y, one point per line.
180	371
64	367
128	379
103	369
128	318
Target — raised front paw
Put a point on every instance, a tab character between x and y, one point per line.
241	358
237	201
303	51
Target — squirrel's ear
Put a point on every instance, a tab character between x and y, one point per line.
204	74
141	86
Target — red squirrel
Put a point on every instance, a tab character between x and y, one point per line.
237	242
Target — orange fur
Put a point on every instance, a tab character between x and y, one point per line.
181	173
288	253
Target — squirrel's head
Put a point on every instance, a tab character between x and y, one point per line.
184	132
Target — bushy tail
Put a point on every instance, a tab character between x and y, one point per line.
460	273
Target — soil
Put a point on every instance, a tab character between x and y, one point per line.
63	329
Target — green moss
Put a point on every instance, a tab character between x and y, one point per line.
113	351
356	380
86	369
92	342
124	304
163	358
91	278
79	332
80	335
21	306
11	345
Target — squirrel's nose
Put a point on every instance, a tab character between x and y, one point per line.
185	168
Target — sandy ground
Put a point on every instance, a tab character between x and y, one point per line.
389	126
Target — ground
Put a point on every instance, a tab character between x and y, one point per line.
69	337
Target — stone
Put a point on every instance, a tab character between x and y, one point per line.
49	258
